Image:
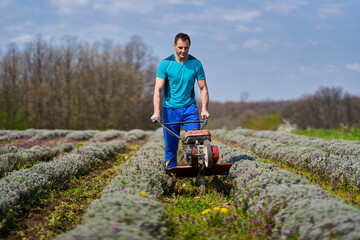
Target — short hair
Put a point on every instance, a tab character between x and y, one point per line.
182	36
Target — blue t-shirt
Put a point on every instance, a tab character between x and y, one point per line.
179	80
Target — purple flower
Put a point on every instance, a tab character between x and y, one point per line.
115	228
217	230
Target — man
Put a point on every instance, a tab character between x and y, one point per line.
175	78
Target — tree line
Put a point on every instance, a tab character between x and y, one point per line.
77	85
328	107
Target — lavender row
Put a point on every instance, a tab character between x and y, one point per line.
335	146
128	208
19	156
340	169
291	201
92	135
23	183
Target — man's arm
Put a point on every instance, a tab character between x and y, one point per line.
204	98
159	84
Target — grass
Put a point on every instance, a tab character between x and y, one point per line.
217	214
352	134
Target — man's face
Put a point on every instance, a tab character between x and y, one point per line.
182	49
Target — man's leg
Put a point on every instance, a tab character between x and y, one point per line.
191	113
171	142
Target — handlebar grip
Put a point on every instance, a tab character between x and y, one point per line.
157	120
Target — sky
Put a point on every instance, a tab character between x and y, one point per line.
250	50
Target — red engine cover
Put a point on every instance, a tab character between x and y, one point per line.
215	150
197	133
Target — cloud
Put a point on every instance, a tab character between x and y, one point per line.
19	28
115	7
213	14
353	66
4	3
70	2
332	10
25	38
242	28
255	45
240	15
67	7
311	71
284	6
184	2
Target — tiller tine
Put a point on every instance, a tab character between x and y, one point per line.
188	171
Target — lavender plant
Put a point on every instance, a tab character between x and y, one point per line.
81	135
27	157
17	134
23	183
342	170
128	208
51	134
297	207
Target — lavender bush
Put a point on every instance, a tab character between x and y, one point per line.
25	182
128	208
51	134
17	134
81	135
19	156
290	200
342	170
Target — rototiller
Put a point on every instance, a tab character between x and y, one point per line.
198	153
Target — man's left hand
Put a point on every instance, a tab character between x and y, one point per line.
205	114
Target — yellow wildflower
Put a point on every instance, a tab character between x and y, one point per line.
240	199
265	169
197	197
302	155
126	157
142	193
249	151
224	210
216	208
206	211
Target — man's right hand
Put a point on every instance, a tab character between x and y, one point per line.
154	116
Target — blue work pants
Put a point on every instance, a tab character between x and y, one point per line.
183	114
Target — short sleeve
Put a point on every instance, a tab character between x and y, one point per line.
161	72
200	72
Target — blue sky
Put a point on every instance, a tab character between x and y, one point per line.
253	50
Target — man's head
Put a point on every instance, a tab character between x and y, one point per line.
183	37
182	46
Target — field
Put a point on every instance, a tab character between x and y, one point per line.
62	184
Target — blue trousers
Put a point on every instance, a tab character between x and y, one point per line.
184	114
